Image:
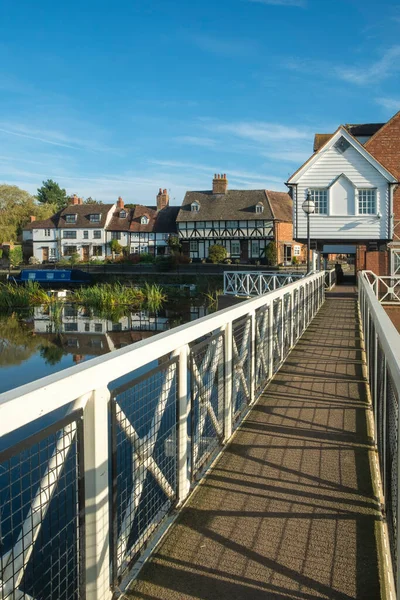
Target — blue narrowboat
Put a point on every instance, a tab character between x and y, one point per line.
53	277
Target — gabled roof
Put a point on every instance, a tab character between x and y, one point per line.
139	212
357	130
238	205
50	223
281	205
82	212
385	145
118	223
166	220
342	132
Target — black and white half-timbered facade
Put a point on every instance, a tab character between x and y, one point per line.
240	220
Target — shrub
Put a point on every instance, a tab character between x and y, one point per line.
145	257
134	259
115	247
217	253
295	261
33	260
15	256
74	258
180	259
271	254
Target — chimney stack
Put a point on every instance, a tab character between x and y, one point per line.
220	184
32	218
162	199
120	202
74	200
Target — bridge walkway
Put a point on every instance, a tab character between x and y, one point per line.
289	510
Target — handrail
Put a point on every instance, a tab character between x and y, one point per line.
385	287
249	283
209	371
382	346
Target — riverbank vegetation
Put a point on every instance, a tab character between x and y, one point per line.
110	295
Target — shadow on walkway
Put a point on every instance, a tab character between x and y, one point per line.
288	511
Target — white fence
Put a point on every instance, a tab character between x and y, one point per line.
382	344
386	288
247	283
330	279
96	456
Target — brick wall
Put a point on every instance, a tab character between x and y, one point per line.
284	235
378	262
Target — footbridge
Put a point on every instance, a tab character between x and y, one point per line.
250	454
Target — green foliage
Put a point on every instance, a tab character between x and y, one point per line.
295	260
115	247
271	254
33	260
217	253
109	296
15	256
19	296
145	257
74	258
174	243
91	200
51	193
51	354
16	207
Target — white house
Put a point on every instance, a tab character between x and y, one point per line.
352	192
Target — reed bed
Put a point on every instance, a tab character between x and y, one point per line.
19	296
111	295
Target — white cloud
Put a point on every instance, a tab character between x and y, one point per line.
297	3
376	71
260	131
389	103
196	140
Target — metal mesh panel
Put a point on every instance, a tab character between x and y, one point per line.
371	354
241	349
42	514
262	348
287	324
380	407
144	467
301	309
277	335
391	465
207	398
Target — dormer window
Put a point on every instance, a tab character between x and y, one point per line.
195	207
122	214
94	218
259	208
70	218
144	220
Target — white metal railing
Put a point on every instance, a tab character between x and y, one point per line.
330	279
382	346
386	288
247	283
146	418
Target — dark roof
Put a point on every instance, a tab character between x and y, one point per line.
234	205
356	130
281	205
82	212
166	220
139	212
118	223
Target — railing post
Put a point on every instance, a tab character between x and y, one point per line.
291	318
183	415
228	332
97	526
282	340
252	316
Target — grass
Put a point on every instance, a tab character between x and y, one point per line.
111	295
19	296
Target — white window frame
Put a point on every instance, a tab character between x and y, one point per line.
69	234
297	251
144	220
193	246
96	235
316	194
255	248
235	244
70	218
122	214
364	205
195	207
94	218
47	232
259	208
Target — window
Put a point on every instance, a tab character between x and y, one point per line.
96	235
235	247
144	220
122	214
367	202
195	207
85	235
98	327
70	218
231	224
71	326
320	198
52	253
255	248
259	208
70	235
69	250
296	251
97	250
193	246
47	232
94	218
115	235
87	327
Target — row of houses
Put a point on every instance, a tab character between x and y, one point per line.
243	221
352	175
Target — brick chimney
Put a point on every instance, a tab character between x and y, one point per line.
32	218
120	203
74	200
162	199
80	200
220	184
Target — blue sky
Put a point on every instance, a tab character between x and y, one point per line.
124	97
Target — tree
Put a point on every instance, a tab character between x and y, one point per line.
115	247
174	244
217	253
271	254
16	257
16	207
91	200
51	193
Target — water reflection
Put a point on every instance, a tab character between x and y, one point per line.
47	339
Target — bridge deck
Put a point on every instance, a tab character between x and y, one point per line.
289	510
